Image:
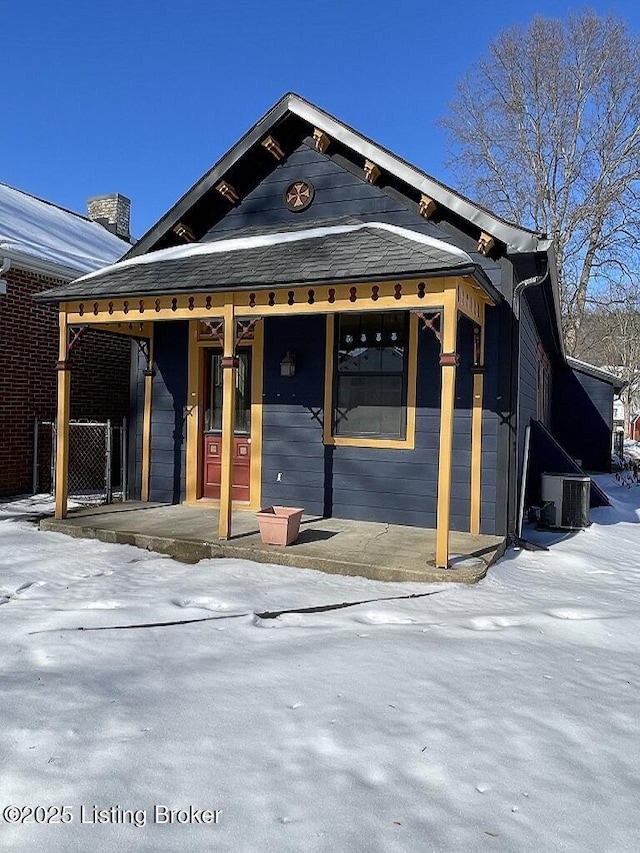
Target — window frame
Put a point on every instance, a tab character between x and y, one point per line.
409	390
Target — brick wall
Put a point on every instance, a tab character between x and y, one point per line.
28	353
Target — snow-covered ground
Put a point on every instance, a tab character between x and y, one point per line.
500	717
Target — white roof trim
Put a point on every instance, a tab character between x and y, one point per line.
30	263
515	238
596	372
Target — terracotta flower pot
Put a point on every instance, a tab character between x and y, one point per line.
279	525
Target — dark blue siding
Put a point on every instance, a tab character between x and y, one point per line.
293	457
134	425
600	393
494	472
583	418
372	484
167	422
339	193
528	400
397	486
461	470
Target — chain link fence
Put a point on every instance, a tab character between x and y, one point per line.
97	459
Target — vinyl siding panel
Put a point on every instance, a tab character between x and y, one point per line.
528	400
292	415
338	193
583	418
167	421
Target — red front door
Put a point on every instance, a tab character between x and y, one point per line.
241	466
241	490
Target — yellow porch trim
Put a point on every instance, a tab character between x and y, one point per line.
62	430
476	436
394	295
193	488
449	333
471	300
228	418
407	443
257	380
130	330
194	455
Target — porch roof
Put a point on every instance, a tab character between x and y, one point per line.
326	253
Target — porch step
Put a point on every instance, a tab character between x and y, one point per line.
337	546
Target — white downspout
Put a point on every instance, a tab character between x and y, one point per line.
4	267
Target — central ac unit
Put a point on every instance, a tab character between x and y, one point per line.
565	501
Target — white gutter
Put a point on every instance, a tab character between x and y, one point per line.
25	261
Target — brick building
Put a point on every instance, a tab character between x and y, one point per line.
43	246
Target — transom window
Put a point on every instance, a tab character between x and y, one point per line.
371	375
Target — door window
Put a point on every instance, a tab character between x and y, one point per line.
213	415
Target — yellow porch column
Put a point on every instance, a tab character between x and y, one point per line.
229	368
63	368
448	362
476	428
194	416
146	423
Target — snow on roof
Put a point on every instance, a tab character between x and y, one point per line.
604	373
50	237
273	239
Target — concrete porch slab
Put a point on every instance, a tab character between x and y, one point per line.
368	549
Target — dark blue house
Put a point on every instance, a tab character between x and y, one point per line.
320	324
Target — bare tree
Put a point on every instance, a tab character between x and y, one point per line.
545	130
612	339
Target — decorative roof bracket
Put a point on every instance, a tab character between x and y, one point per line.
371	172
270	144
485	243
184	232
321	140
227	191
427	206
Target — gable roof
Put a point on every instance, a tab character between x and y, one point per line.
597	373
516	238
359	251
40	236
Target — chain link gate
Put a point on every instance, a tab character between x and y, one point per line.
97	459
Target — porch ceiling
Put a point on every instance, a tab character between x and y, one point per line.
336	253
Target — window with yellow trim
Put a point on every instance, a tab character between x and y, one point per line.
370	375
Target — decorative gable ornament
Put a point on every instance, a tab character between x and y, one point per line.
299	195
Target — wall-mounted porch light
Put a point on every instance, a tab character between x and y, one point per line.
288	365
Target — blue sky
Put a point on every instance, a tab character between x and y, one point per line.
142	97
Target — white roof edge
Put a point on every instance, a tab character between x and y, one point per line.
515	238
30	263
586	367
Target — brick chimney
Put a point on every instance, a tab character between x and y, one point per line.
111	211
